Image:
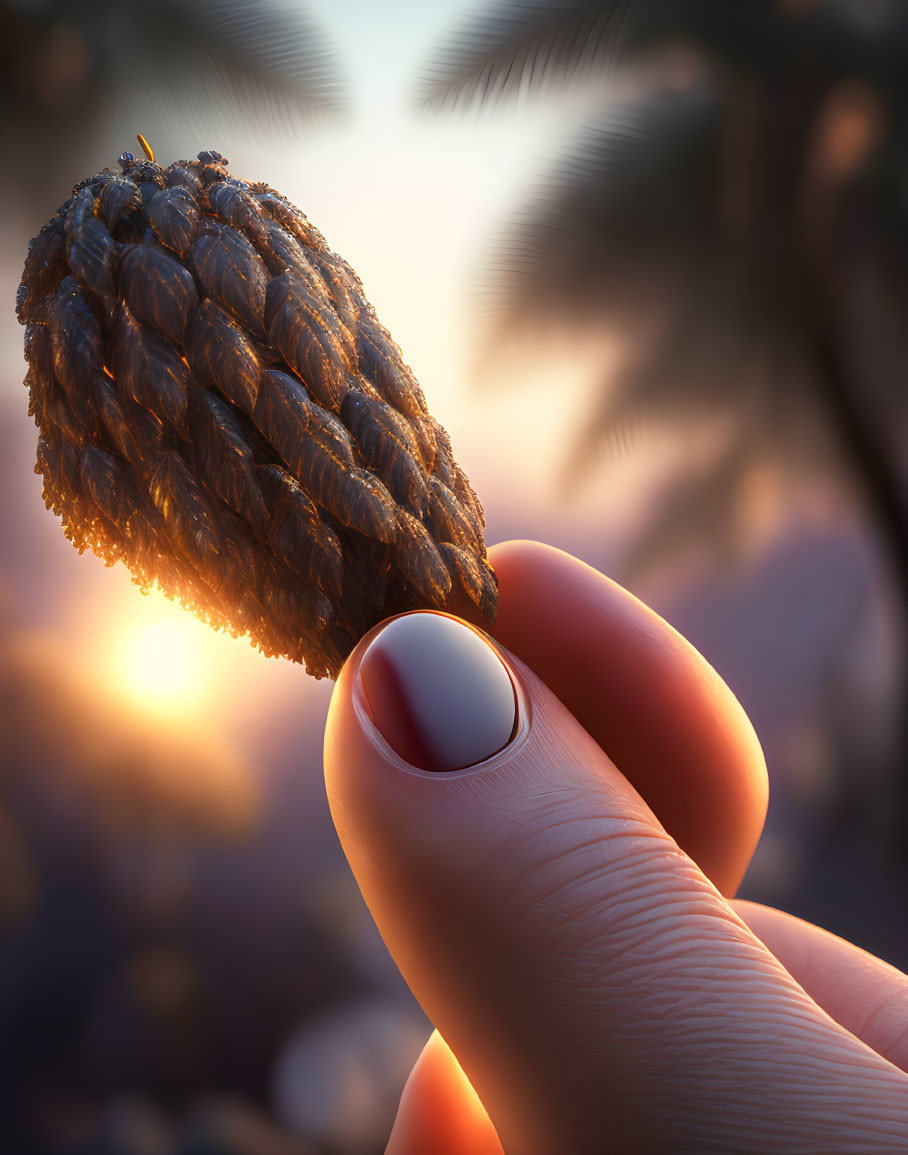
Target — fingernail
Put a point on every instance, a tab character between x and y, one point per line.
438	693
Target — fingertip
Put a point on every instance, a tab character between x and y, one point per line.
440	1111
862	993
646	695
425	693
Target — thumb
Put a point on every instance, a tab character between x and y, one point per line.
595	987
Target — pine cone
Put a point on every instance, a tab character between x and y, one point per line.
220	409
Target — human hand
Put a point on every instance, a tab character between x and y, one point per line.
563	912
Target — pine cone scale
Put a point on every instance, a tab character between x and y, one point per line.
174	216
229	270
157	289
314	349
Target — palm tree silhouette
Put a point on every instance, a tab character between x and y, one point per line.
741	210
73	71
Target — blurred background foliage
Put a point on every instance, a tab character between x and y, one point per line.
738	211
647	258
72	67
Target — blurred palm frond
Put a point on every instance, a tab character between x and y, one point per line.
269	65
74	73
517	46
715	218
600	234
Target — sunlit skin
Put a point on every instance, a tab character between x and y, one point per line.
440	1106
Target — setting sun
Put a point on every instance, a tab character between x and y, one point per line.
162	658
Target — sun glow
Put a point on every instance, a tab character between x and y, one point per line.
162	659
152	659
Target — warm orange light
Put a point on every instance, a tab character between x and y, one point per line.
161	658
439	1109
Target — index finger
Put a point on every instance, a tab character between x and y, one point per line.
651	701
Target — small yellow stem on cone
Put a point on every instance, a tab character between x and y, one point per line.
146	147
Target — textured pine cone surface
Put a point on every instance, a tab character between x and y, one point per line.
220	409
